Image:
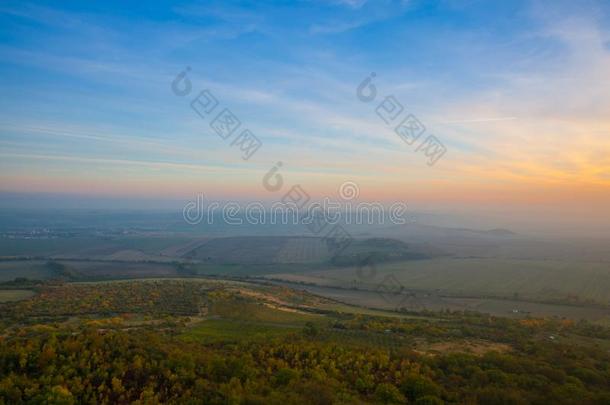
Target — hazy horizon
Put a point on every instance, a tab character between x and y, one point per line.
91	111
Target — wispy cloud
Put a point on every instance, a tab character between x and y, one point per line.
521	99
478	120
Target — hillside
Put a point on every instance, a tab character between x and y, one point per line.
223	341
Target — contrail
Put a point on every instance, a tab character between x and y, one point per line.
477	120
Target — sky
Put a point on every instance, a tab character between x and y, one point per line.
517	92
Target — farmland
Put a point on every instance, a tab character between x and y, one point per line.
94	247
15	295
420	301
40	269
524	279
424	279
261	250
36	270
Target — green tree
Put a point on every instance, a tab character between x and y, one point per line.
389	394
415	386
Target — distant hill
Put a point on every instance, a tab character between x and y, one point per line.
302	250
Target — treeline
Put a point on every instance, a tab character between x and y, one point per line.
154	297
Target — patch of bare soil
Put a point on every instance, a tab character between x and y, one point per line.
476	347
270	301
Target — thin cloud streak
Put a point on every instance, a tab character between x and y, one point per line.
478	120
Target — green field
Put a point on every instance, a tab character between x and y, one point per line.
245	309
15	295
524	279
88	247
86	269
34	270
228	331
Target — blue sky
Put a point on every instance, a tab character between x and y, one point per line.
516	90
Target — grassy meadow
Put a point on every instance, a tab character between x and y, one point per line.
543	280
